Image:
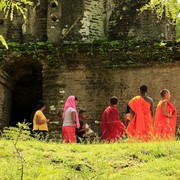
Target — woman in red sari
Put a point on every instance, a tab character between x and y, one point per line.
165	118
70	120
112	129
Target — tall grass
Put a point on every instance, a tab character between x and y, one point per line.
59	161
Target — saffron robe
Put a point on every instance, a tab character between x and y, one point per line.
164	127
112	129
140	127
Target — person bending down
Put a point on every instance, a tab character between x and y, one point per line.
84	130
81	132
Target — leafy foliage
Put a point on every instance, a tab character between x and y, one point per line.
21	132
16	134
2	40
107	53
8	7
171	8
178	28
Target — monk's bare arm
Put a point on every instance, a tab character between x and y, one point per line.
152	108
150	100
164	105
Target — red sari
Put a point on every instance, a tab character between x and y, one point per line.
112	129
164	127
140	127
68	134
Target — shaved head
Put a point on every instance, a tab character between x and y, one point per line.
163	92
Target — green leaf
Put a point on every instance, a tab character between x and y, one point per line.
2	40
162	44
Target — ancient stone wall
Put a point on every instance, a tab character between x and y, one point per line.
94	83
6	85
94	23
126	22
93	78
85	20
91	71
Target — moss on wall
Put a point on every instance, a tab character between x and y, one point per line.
111	53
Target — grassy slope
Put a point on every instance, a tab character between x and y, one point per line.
51	161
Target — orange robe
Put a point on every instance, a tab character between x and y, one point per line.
164	127
140	127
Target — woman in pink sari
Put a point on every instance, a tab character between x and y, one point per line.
70	120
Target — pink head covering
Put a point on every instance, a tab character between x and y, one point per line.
70	102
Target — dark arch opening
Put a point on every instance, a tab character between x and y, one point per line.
27	90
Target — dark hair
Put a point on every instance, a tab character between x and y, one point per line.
163	92
128	109
76	98
39	105
114	100
81	111
143	88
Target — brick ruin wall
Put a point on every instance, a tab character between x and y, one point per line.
86	20
91	80
94	84
6	85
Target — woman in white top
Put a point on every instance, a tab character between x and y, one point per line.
70	120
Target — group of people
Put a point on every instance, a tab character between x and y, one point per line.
140	124
74	129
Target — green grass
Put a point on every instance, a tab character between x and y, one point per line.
121	161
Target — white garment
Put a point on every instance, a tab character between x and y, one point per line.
68	117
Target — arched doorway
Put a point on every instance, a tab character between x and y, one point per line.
27	90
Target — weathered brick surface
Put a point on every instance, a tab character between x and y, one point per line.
6	85
126	22
86	20
94	84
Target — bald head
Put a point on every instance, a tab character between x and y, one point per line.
163	92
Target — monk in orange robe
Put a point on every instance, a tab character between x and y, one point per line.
112	129
140	127
165	118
